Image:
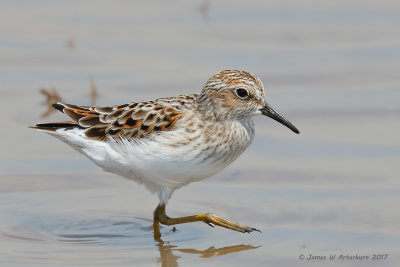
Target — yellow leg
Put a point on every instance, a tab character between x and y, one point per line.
208	218
156	226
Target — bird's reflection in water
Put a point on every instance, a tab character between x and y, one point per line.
168	258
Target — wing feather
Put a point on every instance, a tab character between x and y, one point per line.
134	120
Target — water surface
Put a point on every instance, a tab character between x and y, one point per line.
330	67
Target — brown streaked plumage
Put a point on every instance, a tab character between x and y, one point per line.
134	120
170	142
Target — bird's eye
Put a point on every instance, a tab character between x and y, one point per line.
242	93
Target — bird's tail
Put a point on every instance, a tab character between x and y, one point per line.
53	126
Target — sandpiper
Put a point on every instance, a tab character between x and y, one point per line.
170	142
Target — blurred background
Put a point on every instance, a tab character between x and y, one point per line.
331	67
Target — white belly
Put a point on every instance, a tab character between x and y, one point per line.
155	164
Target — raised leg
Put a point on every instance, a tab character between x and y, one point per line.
161	217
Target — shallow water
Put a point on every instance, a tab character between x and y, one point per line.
332	68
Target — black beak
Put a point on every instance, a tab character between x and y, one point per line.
267	110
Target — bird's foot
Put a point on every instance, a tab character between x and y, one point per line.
212	220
